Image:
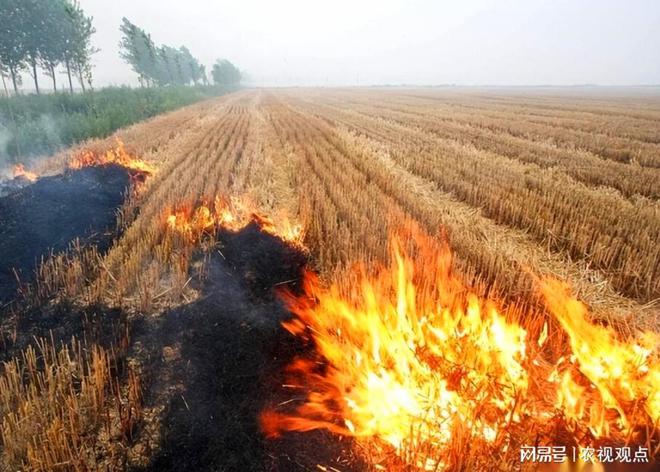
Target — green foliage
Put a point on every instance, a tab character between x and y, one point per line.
79	49
225	73
45	33
157	65
138	50
33	125
13	49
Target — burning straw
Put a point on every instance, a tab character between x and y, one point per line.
426	374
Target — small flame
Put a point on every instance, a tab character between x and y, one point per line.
21	171
193	221
118	155
410	358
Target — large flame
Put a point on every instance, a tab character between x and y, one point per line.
410	358
117	155
192	221
21	171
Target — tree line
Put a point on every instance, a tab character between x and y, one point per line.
162	65
45	35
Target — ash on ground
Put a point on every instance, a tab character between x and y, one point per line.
45	217
219	361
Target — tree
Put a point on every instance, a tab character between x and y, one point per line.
204	75
225	73
56	32
35	39
161	65
12	38
138	50
79	50
196	71
189	65
45	33
169	66
3	74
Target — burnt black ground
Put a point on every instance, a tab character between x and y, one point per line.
59	322
233	351
52	212
13	185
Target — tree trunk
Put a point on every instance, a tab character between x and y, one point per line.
4	84
52	75
79	75
34	75
13	79
68	72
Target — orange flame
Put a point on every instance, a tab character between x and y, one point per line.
626	375
21	171
118	156
409	358
232	214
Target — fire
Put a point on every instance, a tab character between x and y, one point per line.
410	359
118	156
410	356
21	171
626	375
233	214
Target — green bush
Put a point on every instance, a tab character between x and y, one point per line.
35	125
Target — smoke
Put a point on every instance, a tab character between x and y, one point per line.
28	141
51	130
5	138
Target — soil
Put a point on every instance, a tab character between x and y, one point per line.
226	353
59	322
208	368
8	186
48	215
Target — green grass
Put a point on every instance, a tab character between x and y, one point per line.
33	125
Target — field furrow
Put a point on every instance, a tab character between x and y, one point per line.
561	213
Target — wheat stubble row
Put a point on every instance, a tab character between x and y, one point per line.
345	161
522	183
616	235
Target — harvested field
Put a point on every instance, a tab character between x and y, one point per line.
45	218
521	184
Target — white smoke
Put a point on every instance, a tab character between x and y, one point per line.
5	137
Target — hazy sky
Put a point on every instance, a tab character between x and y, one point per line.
349	42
